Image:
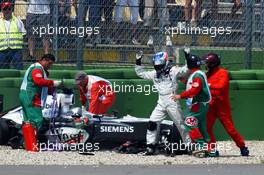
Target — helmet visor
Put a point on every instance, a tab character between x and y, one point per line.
158	67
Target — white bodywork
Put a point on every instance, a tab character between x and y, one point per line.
63	102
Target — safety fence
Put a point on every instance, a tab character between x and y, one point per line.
80	32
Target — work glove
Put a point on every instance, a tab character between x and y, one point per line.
84	110
57	83
139	56
186	51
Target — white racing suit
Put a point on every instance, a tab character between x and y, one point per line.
166	86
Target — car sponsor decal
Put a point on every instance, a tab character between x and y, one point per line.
191	121
123	129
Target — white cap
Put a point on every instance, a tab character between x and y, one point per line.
80	76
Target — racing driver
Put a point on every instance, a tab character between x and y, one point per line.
165	78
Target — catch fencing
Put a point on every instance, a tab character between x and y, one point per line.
82	32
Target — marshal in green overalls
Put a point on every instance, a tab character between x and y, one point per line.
28	90
195	118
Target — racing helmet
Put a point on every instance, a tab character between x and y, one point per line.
193	61
160	60
212	60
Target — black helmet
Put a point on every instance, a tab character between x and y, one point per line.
193	61
212	60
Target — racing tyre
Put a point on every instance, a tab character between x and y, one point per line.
4	132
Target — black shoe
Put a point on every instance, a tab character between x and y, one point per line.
15	142
212	154
235	8
199	153
135	41
244	151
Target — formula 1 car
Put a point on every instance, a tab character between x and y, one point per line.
66	124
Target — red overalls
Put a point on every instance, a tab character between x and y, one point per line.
100	94
219	106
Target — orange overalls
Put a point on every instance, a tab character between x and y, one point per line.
219	106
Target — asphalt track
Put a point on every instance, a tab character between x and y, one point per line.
134	170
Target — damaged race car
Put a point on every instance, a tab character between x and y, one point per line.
68	125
